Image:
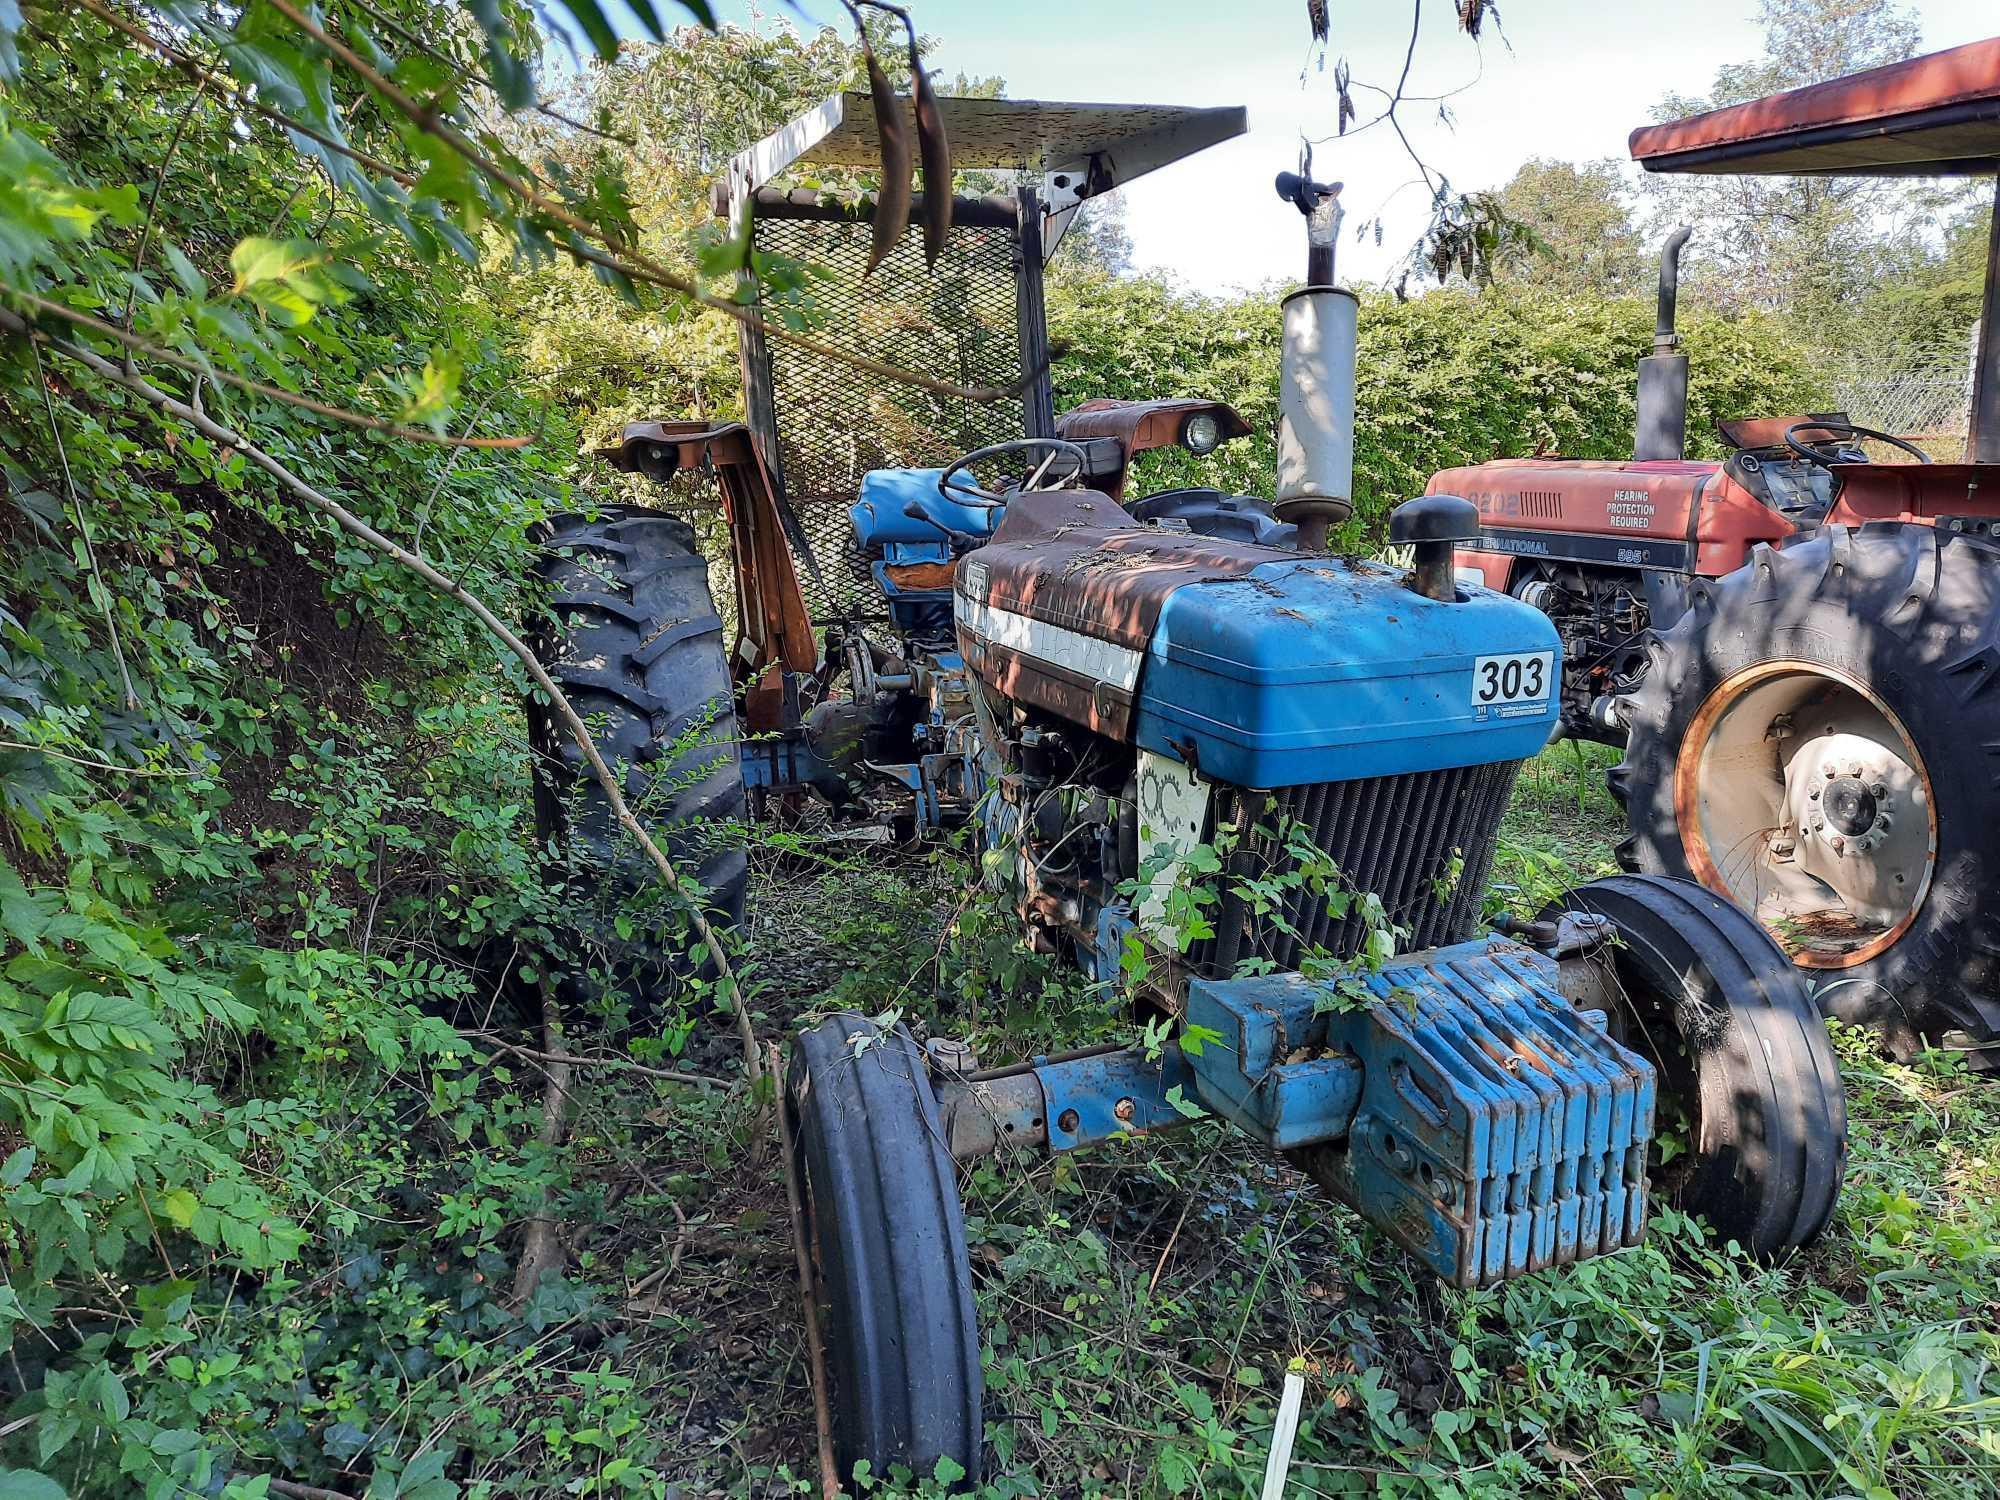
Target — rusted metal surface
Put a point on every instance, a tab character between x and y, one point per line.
1140	426
923	575
773	628
1769	432
1809	946
1929	116
1062	605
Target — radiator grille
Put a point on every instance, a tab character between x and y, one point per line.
1395	836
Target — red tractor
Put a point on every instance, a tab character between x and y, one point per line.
1798	647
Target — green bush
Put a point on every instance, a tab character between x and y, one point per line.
1449	378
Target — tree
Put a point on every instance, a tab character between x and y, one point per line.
1811	247
679	110
1583	236
1098	238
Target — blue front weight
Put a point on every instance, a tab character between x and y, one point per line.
1455	1099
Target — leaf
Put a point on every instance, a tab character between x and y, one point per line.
590	16
191	280
26	1484
512	78
10	27
287	277
424	1479
257	259
17	1167
180	1206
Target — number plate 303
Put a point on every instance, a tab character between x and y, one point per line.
1523	678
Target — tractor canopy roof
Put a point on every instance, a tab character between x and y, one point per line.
1097	147
1930	116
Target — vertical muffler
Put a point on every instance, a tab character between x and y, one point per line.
1663	375
1316	378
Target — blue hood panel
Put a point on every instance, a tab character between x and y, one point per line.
1325	669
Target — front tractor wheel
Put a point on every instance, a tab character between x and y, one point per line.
888	1246
1816	738
1742	1056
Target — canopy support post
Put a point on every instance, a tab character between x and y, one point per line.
1983	445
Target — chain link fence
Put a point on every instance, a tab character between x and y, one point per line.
1929	404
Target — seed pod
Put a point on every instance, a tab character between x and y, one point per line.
892	199
936	154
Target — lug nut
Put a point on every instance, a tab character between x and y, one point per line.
1878	789
1829	770
1813	794
1819	824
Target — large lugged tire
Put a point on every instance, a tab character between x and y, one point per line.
1713	1003
889	1245
1819	737
637	648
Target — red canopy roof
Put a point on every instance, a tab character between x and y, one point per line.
1930	116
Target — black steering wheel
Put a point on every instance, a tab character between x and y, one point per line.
1826	453
972	493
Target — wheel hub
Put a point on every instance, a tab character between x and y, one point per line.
1800	795
1856	813
1850	807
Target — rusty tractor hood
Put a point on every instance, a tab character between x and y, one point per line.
1256	665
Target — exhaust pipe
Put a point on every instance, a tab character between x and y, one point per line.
1316	377
1663	374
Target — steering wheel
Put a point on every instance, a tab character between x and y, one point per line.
1824	453
970	491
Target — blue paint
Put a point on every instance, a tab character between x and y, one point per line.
779	760
1322	669
1467	1109
882	530
1083	1095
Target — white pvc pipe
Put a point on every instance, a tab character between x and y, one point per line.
1283	1436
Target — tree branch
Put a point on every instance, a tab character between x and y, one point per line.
541	1243
617	1064
237	94
276	393
627	261
494	626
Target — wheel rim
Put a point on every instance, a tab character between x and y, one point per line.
1802	797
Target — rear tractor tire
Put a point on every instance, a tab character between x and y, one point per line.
1818	738
888	1247
636	646
1706	996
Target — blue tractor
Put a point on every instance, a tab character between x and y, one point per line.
1119	691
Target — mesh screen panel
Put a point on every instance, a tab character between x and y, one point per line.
834	422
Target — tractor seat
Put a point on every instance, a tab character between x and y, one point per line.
884	531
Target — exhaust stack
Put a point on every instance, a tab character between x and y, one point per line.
1316	380
1663	374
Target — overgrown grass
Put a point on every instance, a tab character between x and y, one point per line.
1140	1303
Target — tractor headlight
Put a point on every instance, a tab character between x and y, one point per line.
1201	434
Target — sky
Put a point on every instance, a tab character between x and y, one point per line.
1563	79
